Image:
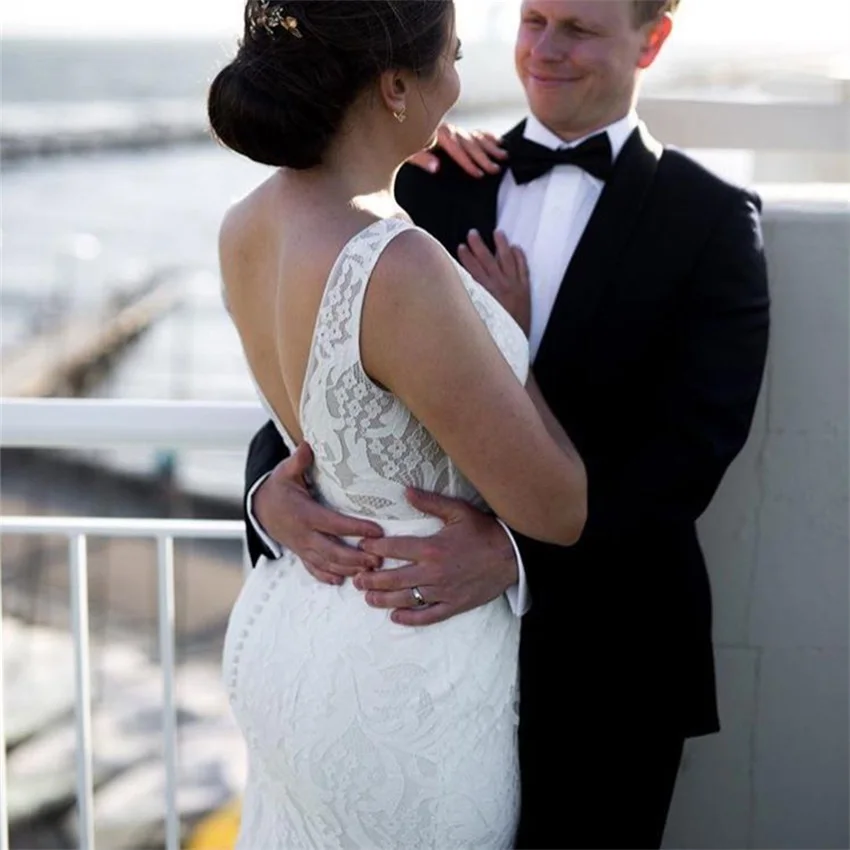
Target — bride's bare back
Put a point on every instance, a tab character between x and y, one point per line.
421	338
277	247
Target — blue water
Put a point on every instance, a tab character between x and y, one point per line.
76	228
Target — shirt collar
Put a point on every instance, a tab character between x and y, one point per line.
618	133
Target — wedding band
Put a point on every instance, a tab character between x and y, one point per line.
418	598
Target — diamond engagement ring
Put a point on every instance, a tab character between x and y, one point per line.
418	598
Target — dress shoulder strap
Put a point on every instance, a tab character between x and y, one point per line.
336	337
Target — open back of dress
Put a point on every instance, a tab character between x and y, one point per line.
362	733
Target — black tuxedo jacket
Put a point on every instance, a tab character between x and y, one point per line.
652	361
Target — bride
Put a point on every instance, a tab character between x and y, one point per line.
366	339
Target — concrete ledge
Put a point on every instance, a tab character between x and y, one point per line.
776	541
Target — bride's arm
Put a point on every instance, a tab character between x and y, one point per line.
553	426
505	275
422	338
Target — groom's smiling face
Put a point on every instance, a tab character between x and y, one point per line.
579	60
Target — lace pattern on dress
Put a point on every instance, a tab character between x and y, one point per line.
367	445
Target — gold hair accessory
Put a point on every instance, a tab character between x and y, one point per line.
262	14
401	115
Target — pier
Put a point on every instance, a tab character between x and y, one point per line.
64	358
131	129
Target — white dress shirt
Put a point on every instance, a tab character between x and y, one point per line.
546	218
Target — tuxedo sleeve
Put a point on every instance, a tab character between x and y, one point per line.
266	450
705	400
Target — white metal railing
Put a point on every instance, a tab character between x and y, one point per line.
59	423
95	423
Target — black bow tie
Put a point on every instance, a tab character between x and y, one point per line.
528	160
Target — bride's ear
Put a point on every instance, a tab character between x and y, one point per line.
394	89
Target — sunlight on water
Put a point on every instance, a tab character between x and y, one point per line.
726	25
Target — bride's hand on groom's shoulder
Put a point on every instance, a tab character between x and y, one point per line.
475	151
503	274
467	564
288	512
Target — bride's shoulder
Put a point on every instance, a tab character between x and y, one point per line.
244	221
235	238
413	266
413	253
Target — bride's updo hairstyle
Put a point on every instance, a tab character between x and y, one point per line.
301	65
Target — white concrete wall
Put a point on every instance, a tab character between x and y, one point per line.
776	539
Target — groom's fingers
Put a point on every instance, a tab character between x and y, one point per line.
397	580
323	575
330	522
399	548
445	508
423	616
479	150
333	555
426	160
491	144
318	538
522	266
471	264
300	461
507	259
398	599
450	141
482	253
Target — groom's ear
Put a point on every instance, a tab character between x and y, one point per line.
393	90
655	36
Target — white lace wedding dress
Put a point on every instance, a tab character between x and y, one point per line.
361	733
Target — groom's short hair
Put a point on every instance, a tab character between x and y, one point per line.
645	11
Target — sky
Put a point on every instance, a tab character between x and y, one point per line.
751	24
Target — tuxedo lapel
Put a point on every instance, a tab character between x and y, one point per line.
597	255
486	199
479	200
480	209
476	203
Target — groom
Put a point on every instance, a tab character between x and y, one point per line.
648	337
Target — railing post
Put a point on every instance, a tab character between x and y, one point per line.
4	815
165	582
80	624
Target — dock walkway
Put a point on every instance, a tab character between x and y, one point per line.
63	359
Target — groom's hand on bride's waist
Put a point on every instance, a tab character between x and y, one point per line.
467	564
290	515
